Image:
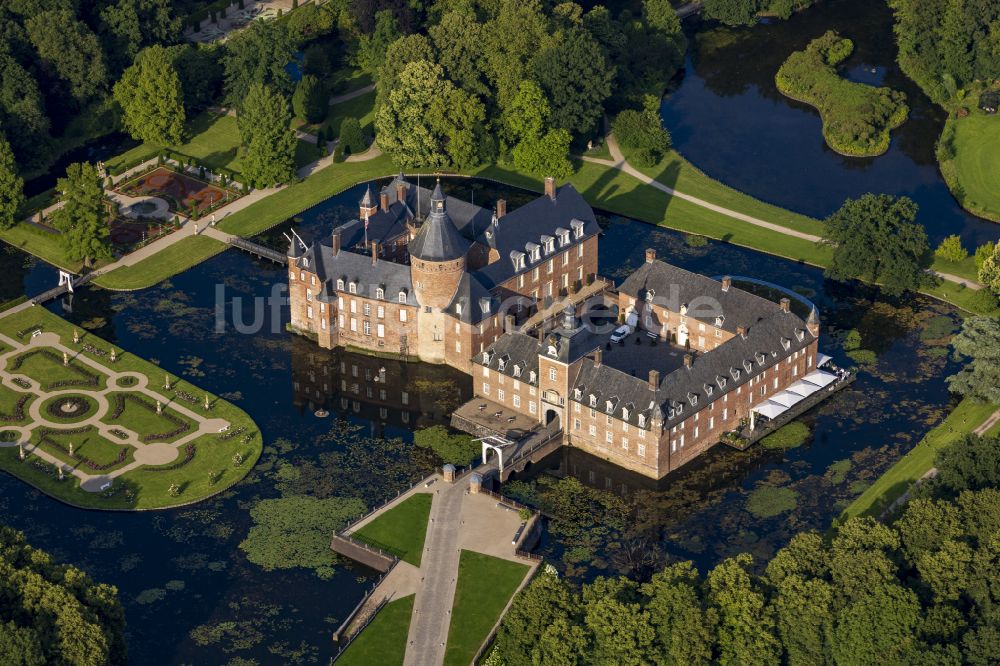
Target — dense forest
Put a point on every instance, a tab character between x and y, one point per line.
946	45
920	588
54	614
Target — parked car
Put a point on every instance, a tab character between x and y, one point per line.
620	333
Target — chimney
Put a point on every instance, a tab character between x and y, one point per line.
688	360
727	282
336	242
501	208
654	380
550	187
598	356
383	201
650	255
508	323
540	332
785	304
375	248
741	331
400	191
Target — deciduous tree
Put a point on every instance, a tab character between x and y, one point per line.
83	218
70	51
459	42
746	635
979	341
685	629
152	99
11	186
576	79
22	112
989	271
310	100
951	249
876	239
264	122
258	54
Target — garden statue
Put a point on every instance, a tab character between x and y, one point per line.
159	407
65	358
114	355
20	451
59	467
76	337
71	449
166	382
207	405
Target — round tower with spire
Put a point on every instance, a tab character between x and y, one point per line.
437	256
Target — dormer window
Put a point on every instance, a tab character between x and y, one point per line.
531	377
684	308
402	296
642	421
708	389
593	400
747	365
501	364
719	320
517	370
340	285
380	293
800	334
625	414
305	261
484	305
609	406
458	308
650	294
760	358
549	243
721	381
735	373
563	235
692	398
353	287
486	358
576	393
577	228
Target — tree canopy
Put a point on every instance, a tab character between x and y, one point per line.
258	54
54	613
152	99
979	341
265	125
83	218
876	239
70	53
11	186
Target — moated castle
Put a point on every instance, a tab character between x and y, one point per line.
508	297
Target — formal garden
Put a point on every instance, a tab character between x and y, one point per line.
96	427
184	194
857	118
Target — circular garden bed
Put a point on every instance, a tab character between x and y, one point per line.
69	408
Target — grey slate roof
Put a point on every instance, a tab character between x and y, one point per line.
515	352
704	297
711	375
438	238
357	268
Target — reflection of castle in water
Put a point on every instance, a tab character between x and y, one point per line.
383	391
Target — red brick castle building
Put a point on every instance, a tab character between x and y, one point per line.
500	295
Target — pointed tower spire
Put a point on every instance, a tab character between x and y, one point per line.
367	206
812	323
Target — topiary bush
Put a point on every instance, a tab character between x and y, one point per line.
352	139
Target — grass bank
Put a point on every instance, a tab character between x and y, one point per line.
969	157
383	641
211	467
400	530
856	117
166	263
43	244
485	585
965	418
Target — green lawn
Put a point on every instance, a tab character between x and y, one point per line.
214	142
42	244
485	585
9	399
88	444
362	108
44	365
211	470
346	79
143	420
976	167
898	478
383	642
400	530
175	259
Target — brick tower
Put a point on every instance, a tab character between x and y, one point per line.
437	256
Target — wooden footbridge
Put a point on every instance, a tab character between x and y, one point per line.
258	250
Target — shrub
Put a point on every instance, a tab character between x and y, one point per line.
694	240
351	138
642	133
951	249
310	99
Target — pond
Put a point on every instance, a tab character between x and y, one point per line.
727	117
190	594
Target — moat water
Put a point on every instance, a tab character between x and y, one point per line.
190	594
728	118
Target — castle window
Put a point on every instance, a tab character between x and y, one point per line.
402	315
458	308
353	287
552	374
309	312
517	400
577	228
650	294
625	443
368	309
531	378
381	312
593	400
380	330
625	414
291	277
517	370
367	327
402	296
340	285
309	294
380	293
642	421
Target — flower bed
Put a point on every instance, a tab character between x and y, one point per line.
189	451
88	378
18	413
182	426
45	438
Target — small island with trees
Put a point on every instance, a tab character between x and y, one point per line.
857	118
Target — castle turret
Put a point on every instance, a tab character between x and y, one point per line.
437	256
367	206
812	323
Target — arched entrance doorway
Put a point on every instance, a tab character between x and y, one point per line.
551	416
